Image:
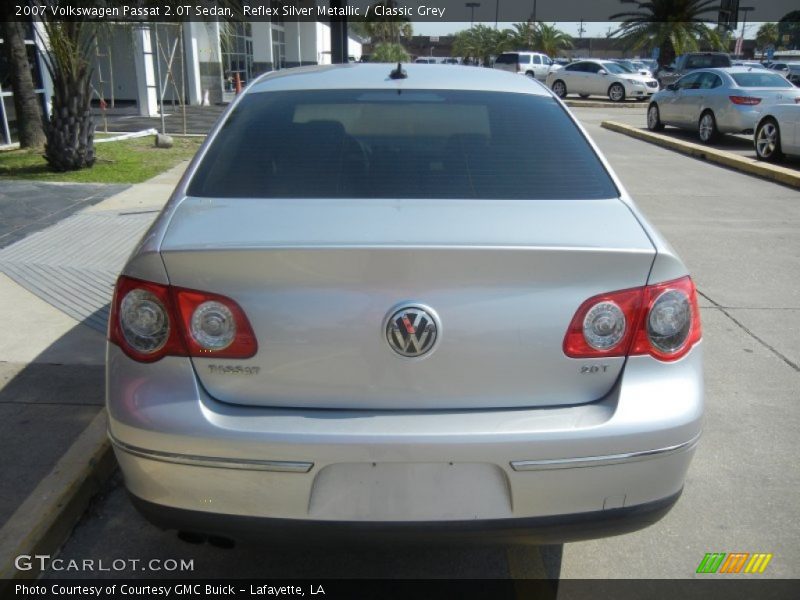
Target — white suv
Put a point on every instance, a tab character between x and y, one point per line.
532	64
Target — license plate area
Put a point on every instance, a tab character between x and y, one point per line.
410	492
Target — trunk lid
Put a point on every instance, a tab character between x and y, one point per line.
319	279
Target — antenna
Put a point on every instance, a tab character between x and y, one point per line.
398	73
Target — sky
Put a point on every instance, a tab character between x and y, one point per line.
593	29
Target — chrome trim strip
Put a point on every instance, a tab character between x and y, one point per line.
600	461
246	464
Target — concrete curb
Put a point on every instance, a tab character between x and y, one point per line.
43	522
600	104
743	164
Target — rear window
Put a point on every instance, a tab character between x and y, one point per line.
414	144
708	61
760	80
507	59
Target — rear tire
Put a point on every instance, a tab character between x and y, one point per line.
530	74
654	118
707	128
560	88
767	141
616	93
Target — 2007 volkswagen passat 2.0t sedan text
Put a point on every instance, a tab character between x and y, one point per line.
379	301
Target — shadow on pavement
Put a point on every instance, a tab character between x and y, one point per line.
112	529
44	406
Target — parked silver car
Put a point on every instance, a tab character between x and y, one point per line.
778	132
715	101
379	300
600	78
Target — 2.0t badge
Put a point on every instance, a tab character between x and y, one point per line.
412	331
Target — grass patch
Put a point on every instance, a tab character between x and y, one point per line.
126	161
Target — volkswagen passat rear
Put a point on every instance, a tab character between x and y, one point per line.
380	300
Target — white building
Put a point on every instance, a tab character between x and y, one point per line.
202	62
199	62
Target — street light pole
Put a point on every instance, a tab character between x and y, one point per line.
745	10
472	6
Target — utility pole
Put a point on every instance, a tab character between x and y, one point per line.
581	30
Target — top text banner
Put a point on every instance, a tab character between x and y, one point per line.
485	11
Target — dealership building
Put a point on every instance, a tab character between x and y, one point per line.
196	63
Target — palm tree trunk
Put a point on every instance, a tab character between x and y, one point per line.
27	104
70	132
666	54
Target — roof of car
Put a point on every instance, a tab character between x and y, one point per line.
376	76
732	70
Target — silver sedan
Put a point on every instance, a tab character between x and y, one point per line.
778	132
380	301
716	101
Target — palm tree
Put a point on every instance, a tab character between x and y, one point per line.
481	42
674	26
550	40
790	25
27	105
70	130
767	35
387	29
523	36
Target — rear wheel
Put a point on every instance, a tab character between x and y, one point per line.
616	92
707	128
531	74
559	88
654	118
768	141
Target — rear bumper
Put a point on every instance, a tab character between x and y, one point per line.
531	530
738	119
572	472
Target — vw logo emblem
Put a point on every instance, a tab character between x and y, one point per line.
411	331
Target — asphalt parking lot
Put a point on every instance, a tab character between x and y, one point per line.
740	237
637	117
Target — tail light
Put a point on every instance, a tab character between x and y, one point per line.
662	320
149	321
746	100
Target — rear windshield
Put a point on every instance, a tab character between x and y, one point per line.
760	80
707	61
388	144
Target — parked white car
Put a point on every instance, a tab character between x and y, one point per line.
600	78
634	66
532	64
778	132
